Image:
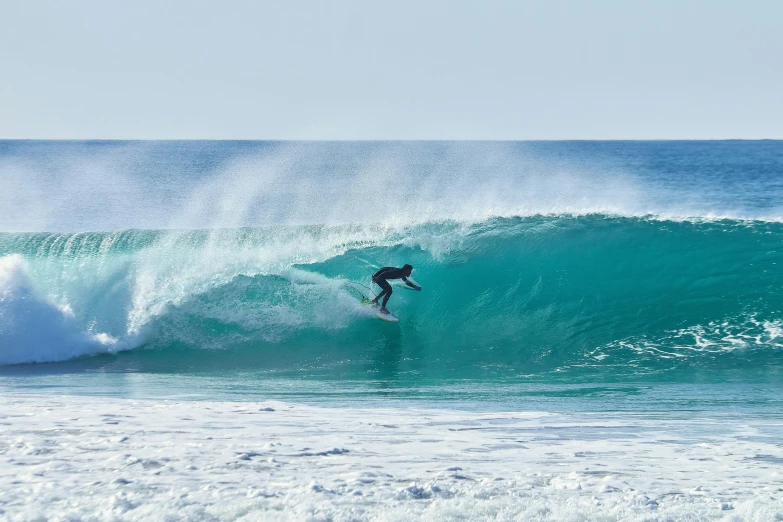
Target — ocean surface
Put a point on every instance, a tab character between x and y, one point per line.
599	335
243	262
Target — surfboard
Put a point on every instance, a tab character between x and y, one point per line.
377	311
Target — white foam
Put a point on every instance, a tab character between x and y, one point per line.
728	335
122	459
32	329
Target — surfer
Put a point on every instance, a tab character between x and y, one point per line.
381	278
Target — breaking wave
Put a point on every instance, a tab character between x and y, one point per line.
566	295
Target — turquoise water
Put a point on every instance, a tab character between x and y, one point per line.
562	264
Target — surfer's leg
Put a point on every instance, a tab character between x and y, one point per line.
386	291
375	301
380	294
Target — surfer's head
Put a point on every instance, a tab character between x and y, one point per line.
407	269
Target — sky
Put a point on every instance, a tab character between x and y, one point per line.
427	69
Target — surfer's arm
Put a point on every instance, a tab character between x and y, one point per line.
414	286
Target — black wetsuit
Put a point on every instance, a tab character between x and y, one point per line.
381	277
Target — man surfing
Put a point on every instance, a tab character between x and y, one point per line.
381	278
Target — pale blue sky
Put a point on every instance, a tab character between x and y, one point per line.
391	70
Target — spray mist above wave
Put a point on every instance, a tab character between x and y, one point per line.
79	186
394	185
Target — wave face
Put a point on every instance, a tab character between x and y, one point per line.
520	297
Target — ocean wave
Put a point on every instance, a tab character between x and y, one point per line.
517	296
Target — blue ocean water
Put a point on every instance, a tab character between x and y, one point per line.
550	270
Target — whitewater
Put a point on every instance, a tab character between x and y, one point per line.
599	334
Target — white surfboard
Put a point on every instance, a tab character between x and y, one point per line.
377	311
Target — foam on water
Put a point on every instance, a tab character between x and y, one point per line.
122	459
